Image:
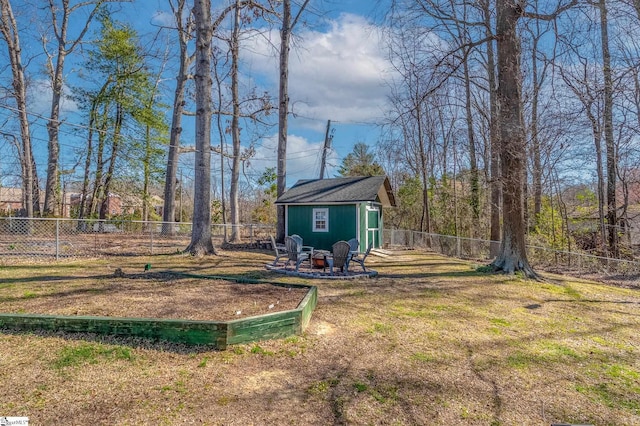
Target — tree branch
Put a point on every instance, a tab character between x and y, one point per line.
551	16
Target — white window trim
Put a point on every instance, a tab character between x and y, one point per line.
313	219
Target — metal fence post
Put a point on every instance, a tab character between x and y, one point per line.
151	237
57	239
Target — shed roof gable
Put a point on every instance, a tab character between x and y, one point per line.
340	190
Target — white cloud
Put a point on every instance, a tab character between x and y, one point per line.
337	74
40	94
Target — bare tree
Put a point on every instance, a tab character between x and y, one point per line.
201	242
286	29
235	124
609	140
61	13
464	37
411	97
579	78
513	253
494	134
184	31
538	75
10	35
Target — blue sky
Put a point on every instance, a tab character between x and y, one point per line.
338	72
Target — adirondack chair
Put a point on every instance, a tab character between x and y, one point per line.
354	244
295	253
304	249
280	249
360	257
340	256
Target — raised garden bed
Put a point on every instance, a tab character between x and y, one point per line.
199	310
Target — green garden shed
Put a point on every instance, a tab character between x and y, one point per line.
323	211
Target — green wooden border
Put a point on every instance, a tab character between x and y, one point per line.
216	333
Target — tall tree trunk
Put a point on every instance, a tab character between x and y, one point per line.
52	186
425	219
37	206
146	165
56	73
473	161
87	165
235	128
513	253
612	219
108	177
9	32
98	187
535	140
149	145
221	135
494	137
474	181
597	141
169	210
201	233
283	108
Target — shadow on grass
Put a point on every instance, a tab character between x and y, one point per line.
43	266
52	278
469	273
108	339
92	288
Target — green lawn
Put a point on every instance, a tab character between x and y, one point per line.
431	340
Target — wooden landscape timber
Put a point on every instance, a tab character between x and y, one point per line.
218	334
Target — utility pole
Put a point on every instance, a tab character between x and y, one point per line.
328	137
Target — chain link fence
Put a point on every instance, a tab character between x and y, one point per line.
28	239
543	258
32	239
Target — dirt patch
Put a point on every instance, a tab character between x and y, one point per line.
153	295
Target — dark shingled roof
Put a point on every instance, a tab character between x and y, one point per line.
339	190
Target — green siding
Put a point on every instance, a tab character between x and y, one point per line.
369	219
342	224
373	218
363	227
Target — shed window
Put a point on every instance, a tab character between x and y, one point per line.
320	220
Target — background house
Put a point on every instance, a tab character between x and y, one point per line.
10	200
323	211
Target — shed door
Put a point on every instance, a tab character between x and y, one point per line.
373	227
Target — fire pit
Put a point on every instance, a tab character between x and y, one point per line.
319	258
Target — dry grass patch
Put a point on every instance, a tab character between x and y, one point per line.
149	295
432	340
